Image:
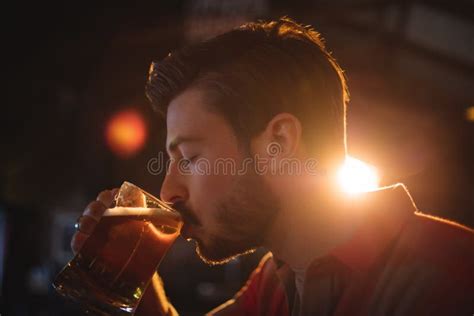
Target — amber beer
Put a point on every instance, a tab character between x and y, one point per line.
113	268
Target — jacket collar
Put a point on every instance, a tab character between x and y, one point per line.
385	213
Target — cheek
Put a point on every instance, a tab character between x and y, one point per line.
206	191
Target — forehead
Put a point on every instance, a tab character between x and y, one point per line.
190	115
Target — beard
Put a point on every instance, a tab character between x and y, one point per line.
243	217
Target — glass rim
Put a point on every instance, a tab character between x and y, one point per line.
165	205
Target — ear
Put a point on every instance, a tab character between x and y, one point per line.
281	137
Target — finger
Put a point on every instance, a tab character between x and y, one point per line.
86	224
77	241
95	209
115	191
107	197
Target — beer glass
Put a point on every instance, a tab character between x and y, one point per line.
117	261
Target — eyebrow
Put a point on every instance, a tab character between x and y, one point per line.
181	139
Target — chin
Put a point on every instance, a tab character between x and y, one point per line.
216	255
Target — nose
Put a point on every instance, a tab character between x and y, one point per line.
173	188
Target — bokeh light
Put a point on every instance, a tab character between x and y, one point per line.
356	176
470	113
126	133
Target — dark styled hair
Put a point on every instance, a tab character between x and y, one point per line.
256	71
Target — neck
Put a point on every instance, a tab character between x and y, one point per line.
310	225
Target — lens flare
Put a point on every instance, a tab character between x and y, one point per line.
356	176
126	133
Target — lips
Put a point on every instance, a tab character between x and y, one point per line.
186	213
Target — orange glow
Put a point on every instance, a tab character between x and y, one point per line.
356	176
470	113
126	133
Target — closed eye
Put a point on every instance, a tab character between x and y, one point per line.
186	162
192	159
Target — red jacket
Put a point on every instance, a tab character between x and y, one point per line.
399	262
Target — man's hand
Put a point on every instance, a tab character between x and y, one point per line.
154	301
91	216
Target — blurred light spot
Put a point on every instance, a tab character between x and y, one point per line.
126	133
470	113
356	176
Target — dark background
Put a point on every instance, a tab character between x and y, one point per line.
69	68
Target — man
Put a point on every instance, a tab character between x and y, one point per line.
261	96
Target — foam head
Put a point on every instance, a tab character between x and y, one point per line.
130	195
132	211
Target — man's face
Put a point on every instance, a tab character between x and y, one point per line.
227	207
